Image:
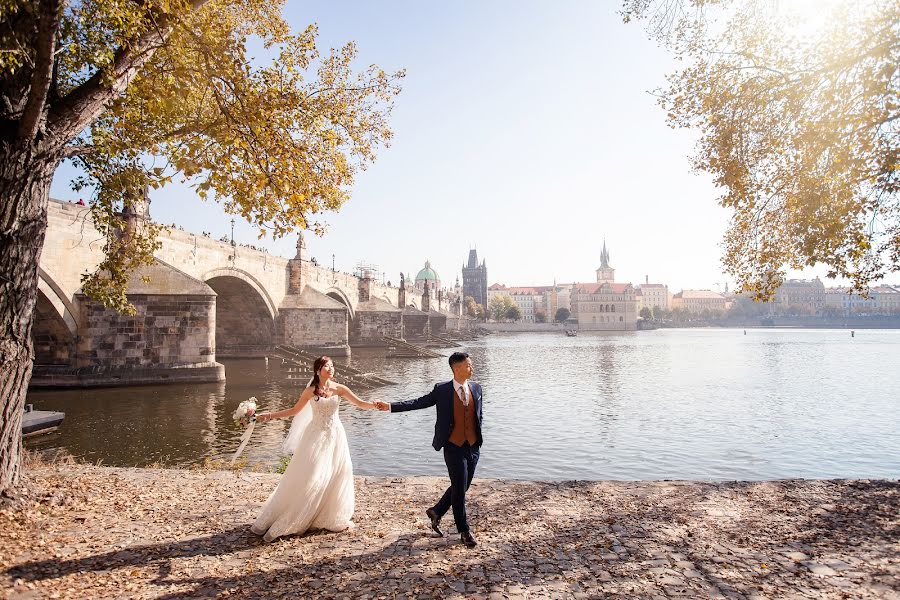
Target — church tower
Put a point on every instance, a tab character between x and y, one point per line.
605	274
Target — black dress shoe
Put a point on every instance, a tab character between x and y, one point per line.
435	521
467	539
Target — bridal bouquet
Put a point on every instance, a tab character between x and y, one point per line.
245	415
246	412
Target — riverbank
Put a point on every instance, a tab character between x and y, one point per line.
97	532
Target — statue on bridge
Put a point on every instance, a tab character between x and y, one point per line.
301	245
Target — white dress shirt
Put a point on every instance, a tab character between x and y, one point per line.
462	390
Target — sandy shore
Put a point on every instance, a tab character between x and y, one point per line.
96	532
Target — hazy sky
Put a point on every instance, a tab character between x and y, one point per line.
524	129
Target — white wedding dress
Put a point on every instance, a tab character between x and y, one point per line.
316	490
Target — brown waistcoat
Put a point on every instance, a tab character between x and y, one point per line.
464	427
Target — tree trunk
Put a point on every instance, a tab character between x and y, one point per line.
25	176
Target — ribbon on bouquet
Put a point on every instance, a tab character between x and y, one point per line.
244	439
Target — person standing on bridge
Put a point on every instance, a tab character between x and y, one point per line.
316	491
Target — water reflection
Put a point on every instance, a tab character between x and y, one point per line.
667	404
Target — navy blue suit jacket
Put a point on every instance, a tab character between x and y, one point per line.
442	398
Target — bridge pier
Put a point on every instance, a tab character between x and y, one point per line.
170	338
314	322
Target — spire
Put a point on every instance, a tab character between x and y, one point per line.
473	258
604	256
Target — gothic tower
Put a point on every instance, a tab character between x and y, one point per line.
605	274
475	279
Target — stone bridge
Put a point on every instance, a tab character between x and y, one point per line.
205	298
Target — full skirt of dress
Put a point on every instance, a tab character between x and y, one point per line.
316	490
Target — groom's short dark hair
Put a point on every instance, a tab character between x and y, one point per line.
458	357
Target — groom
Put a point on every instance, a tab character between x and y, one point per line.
458	432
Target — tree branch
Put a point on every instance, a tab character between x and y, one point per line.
42	73
77	150
86	102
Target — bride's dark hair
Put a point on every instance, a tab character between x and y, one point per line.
317	366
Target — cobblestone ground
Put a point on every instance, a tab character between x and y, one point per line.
94	532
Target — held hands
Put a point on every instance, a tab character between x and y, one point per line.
382	406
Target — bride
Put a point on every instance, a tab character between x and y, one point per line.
316	490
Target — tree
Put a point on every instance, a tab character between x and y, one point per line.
540	316
137	93
479	312
744	307
799	127
645	313
471	306
562	314
513	313
498	306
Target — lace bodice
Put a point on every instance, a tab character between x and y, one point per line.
325	410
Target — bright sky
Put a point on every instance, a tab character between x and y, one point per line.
525	130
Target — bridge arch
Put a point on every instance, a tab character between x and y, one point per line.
245	313
54	330
57	298
339	295
247	278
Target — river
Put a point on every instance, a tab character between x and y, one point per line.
707	404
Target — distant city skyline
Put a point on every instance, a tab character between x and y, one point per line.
525	130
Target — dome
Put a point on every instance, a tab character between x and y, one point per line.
427	274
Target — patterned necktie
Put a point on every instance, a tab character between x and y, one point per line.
463	396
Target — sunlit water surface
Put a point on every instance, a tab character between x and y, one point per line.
667	404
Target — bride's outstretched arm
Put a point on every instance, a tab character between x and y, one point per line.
345	392
301	404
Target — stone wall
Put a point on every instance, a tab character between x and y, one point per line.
314	328
370	327
437	322
415	323
166	331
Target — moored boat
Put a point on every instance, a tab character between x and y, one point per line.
40	421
